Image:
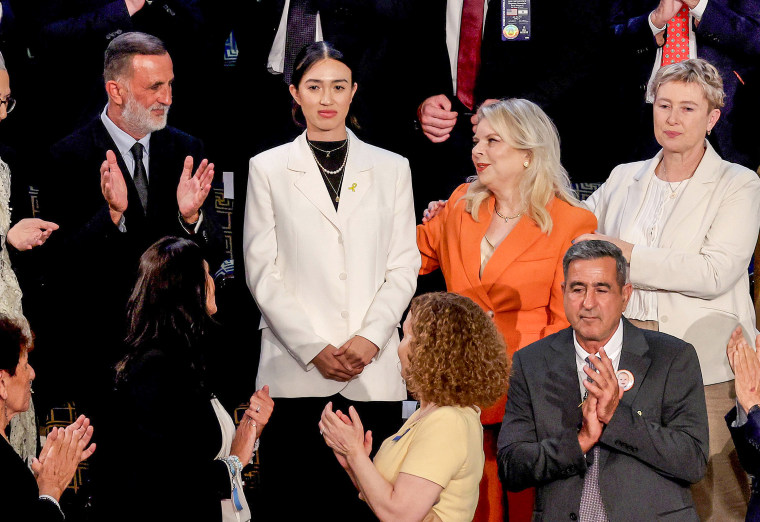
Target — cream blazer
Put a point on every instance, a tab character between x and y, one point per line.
700	267
320	276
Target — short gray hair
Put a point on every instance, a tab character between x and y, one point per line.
696	70
596	249
118	59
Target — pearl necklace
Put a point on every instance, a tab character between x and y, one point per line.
326	171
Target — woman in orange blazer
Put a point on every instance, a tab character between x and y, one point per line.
499	240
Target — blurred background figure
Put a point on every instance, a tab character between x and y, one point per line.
23	495
687	221
453	359
162	391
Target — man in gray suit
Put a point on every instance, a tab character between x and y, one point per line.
597	447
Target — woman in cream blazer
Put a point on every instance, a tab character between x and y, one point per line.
687	222
332	272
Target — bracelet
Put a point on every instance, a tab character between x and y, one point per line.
54	501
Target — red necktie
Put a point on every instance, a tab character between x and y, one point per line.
676	48
468	61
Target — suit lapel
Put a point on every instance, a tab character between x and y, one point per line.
563	376
357	179
520	239
471	234
633	358
309	180
636	193
700	186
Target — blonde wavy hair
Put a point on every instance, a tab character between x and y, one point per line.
457	357
523	125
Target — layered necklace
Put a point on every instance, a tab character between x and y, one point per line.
327	173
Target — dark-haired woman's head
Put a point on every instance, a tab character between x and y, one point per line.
322	89
16	374
173	298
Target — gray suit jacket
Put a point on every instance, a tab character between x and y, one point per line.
654	446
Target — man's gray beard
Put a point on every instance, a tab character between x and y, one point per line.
140	119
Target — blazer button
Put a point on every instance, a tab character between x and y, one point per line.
573	516
344	314
343	276
664	319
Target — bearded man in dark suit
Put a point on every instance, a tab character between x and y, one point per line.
116	186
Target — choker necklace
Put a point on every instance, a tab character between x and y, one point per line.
326	171
327	152
506	218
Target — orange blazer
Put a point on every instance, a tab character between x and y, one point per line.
521	284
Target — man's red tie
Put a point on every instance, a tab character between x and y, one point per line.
468	61
676	48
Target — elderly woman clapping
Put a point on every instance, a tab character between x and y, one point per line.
687	222
23	495
453	359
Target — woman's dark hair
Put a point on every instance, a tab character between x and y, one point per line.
168	302
13	341
305	59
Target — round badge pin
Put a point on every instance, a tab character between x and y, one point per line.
511	31
625	379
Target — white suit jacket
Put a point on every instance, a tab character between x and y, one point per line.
700	267
320	276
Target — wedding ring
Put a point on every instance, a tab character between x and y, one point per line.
258	409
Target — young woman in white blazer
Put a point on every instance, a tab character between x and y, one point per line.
331	259
688	222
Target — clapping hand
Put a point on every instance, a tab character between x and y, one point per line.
746	366
193	189
113	187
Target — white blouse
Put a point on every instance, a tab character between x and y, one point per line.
658	204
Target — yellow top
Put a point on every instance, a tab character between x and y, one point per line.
445	447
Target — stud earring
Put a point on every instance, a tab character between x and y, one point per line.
709	131
526	163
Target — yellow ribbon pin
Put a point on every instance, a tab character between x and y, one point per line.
352	188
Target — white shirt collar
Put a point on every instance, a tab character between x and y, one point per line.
124	142
613	348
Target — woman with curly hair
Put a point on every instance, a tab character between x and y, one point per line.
454	360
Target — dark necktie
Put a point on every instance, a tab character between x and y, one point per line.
468	60
301	31
140	178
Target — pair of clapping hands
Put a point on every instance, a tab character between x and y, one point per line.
604	394
344	363
192	189
745	362
64	449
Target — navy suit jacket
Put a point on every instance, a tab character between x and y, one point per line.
728	36
654	446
